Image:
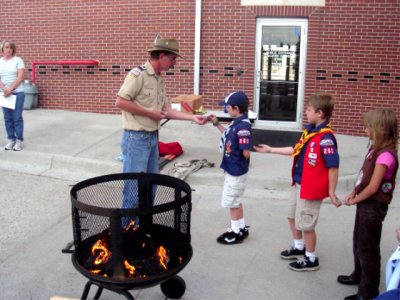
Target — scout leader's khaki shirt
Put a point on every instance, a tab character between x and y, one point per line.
147	89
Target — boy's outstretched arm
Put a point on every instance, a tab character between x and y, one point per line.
333	174
263	148
213	119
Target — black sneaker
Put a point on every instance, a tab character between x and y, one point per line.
304	264
292	253
245	231
230	237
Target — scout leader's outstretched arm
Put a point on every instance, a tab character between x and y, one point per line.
170	113
263	148
134	108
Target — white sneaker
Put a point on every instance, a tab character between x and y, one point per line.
9	145
18	146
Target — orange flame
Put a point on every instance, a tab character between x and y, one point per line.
164	258
103	253
131	226
131	269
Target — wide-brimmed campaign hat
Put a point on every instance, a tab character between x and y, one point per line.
168	45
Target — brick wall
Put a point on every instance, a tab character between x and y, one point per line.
353	49
117	33
353	52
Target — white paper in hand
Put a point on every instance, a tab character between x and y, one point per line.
8	102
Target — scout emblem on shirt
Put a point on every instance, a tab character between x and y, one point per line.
244	137
312	156
327	146
386	187
312	159
136	72
228	148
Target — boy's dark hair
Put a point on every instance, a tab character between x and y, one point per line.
244	107
323	102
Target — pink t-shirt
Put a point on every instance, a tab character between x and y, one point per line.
387	159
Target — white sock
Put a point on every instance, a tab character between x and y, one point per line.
235	226
299	244
311	256
242	224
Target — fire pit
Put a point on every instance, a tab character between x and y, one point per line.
120	246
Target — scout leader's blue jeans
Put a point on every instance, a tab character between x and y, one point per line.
140	153
13	120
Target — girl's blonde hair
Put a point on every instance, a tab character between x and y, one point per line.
382	125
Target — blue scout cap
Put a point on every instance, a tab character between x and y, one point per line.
234	99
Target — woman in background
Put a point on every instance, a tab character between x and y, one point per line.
12	70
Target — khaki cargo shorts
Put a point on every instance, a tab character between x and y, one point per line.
304	212
233	191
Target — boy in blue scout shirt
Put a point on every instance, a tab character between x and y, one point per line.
235	145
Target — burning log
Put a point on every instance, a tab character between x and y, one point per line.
143	256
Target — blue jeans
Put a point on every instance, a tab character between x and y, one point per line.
13	120
140	153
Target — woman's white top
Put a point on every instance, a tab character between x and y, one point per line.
9	71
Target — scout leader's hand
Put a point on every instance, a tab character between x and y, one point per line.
201	120
263	148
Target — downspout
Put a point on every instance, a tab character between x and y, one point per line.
86	62
197	40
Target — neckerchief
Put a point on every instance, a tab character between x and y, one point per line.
306	136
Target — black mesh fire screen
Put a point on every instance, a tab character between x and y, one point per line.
131	229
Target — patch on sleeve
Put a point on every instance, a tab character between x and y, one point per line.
243	133
386	187
244	141
244	137
326	142
136	72
328	150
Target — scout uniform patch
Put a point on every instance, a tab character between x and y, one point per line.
136	72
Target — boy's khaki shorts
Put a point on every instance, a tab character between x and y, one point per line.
234	187
304	212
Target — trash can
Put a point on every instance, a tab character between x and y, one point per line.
31	95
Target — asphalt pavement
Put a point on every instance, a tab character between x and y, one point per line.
62	148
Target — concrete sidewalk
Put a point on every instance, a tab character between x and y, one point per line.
63	148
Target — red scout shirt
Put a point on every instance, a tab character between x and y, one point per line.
311	165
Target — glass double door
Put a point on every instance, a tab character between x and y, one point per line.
280	63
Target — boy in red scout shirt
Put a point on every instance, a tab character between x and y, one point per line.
314	175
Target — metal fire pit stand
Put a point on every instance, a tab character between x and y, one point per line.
100	209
